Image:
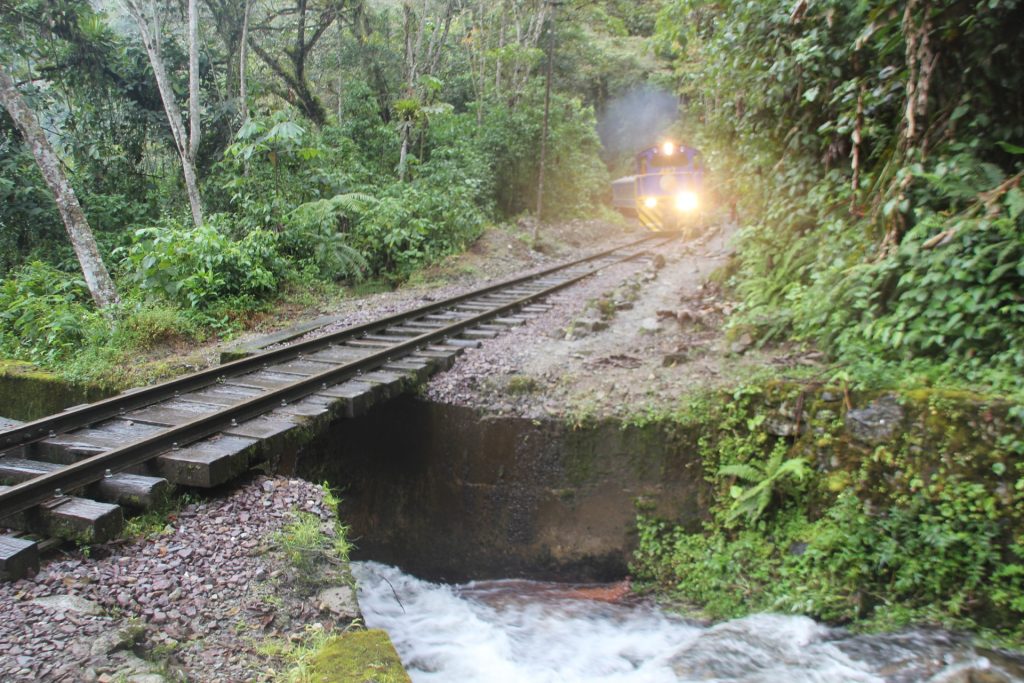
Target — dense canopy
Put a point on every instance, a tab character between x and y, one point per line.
224	150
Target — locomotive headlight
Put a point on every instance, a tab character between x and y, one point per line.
686	201
668	149
650	202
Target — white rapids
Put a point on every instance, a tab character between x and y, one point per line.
532	632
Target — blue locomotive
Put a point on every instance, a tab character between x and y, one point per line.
667	189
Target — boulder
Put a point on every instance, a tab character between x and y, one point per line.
876	423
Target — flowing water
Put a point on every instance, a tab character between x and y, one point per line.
534	632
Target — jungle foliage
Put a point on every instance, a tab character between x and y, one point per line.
926	529
874	153
388	141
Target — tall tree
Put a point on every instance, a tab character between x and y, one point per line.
97	279
544	128
371	59
503	47
148	21
425	36
231	24
307	21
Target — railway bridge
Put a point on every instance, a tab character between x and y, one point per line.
77	474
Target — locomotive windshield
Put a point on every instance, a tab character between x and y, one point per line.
669	156
684	157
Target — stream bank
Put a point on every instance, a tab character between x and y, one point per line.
876	508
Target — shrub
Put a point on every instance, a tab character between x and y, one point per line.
314	234
45	314
201	268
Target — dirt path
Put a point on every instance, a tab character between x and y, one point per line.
631	339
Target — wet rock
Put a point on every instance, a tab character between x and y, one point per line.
1012	663
876	423
745	649
910	656
339	601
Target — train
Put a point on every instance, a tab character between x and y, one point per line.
666	191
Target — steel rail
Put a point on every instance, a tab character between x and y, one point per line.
45	487
132	400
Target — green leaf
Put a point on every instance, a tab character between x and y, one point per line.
1015	202
1011	148
741	471
1000	271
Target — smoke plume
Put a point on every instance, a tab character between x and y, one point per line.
636	120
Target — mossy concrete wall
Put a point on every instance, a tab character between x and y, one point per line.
448	493
451	493
27	393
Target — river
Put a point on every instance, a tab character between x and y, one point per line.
515	631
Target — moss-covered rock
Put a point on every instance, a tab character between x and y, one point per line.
358	657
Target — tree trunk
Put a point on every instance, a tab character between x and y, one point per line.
544	132
97	279
193	83
183	144
502	22
403	156
243	58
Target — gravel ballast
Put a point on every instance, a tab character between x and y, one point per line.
192	602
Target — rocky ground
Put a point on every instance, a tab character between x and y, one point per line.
500	253
636	337
208	597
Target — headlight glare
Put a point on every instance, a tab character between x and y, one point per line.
686	201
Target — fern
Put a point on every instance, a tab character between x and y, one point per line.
315	231
763	477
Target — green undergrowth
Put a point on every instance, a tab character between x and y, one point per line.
925	527
47	319
315	554
316	550
157	520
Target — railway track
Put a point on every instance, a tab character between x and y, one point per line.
72	473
